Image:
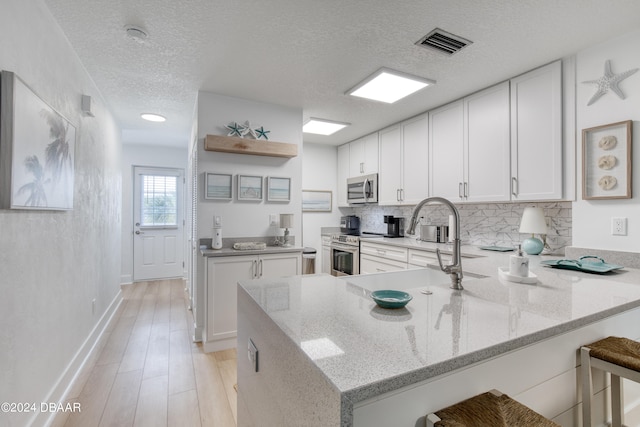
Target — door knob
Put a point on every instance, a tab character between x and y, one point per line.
139	232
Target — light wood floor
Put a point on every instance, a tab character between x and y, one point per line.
147	371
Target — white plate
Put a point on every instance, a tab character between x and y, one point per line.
503	272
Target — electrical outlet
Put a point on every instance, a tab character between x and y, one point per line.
618	226
252	353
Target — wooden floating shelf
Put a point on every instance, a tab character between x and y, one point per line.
235	145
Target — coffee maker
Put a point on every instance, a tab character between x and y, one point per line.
395	226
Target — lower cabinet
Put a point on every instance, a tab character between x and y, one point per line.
380	258
372	264
223	274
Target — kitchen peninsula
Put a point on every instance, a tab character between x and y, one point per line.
328	356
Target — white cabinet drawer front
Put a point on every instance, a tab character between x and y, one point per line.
384	251
424	258
373	264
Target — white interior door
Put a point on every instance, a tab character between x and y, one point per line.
158	239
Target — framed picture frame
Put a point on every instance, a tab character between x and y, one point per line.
607	161
250	187
316	201
278	189
218	186
37	150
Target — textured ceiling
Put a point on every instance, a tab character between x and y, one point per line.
306	54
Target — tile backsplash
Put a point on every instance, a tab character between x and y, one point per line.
481	224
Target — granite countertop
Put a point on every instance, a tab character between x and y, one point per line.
366	351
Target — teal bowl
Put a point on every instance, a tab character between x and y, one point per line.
391	299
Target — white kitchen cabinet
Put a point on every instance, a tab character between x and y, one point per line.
343	174
372	264
536	134
223	275
363	156
487	146
420	258
380	257
446	142
404	162
326	259
469	147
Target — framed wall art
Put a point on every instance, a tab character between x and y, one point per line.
37	150
606	161
249	187
218	186
316	201
278	189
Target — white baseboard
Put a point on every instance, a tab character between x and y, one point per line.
126	279
62	387
219	345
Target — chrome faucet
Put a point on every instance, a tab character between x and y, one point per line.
455	268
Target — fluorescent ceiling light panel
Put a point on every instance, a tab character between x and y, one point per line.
153	117
323	127
389	86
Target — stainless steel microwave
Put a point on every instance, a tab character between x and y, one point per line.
363	189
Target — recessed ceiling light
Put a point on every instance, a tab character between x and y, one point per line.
153	117
389	86
136	33
322	126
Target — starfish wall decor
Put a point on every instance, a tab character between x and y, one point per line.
609	81
236	129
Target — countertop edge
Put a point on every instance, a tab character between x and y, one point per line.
211	253
371	390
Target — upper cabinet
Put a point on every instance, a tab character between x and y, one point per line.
486	145
343	174
469	147
363	155
404	159
446	141
536	134
356	158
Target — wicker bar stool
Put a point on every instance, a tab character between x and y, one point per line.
618	356
488	409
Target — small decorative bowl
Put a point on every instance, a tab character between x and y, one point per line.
391	299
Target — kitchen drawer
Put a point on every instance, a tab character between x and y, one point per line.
373	264
384	251
424	258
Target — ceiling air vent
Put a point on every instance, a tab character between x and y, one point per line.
443	42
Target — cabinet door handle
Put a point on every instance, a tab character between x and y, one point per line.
514	186
260	263
398	194
254	268
402	194
460	190
361	167
466	190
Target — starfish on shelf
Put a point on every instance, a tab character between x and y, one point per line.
609	81
235	129
247	129
262	133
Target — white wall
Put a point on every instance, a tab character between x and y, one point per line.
319	172
53	264
151	156
592	218
242	218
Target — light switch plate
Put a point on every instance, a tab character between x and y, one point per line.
252	353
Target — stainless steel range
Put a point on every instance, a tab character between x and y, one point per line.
345	255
